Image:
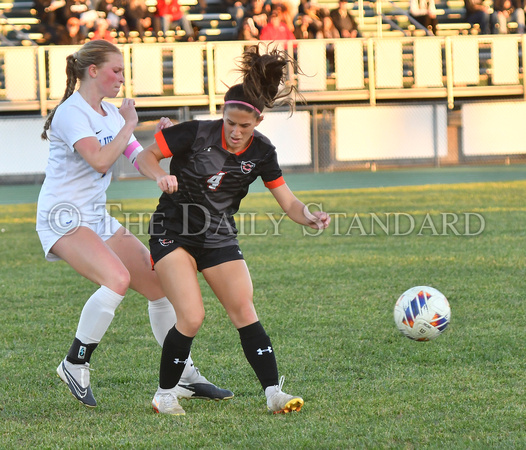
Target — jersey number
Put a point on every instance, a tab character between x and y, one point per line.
215	180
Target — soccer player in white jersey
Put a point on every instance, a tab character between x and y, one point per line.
87	135
213	164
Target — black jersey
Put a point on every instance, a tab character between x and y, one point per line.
212	182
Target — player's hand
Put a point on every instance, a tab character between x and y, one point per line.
128	111
319	220
163	123
168	183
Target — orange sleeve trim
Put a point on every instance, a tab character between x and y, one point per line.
274	184
163	146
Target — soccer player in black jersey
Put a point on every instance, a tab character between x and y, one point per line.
213	163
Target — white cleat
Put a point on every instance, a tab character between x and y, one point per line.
165	402
280	403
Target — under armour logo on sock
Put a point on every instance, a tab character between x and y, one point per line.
180	361
261	351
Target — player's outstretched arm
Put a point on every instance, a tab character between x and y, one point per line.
298	211
148	161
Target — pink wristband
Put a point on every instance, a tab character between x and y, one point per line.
129	150
132	151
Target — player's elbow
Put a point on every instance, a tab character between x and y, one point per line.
101	167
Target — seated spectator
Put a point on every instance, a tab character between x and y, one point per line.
276	29
305	28
103	32
170	15
72	34
286	14
48	19
308	24
506	11
344	21
328	30
478	13
248	30
46	13
138	17
77	7
114	12
425	13
236	9
257	11
88	20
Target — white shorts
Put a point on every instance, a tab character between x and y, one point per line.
105	229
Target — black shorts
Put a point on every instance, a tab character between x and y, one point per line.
204	257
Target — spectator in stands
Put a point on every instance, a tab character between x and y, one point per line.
477	12
114	11
103	32
286	13
248	30
328	30
77	7
88	20
62	10
308	24
506	11
58	12
256	10
425	13
236	9
72	34
138	17
45	12
48	25
344	21
170	15
276	29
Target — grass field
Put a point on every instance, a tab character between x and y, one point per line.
327	303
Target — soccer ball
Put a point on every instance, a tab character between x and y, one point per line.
422	313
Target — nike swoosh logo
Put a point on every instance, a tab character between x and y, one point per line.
81	392
97	132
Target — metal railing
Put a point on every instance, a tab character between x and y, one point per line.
334	70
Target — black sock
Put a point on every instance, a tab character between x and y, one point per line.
259	353
80	353
176	349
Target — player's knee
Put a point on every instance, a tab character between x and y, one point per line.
192	323
119	281
243	314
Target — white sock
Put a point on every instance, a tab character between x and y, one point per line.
162	319
97	315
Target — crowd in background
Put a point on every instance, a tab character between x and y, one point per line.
73	21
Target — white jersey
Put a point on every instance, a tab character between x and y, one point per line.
73	192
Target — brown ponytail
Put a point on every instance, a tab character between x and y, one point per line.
262	76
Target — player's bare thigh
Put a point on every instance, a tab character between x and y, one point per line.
232	285
92	258
136	257
177	272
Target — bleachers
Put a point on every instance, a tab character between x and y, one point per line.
384	18
19	23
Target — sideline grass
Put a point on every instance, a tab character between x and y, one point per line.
326	302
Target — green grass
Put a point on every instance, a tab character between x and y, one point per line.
327	304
